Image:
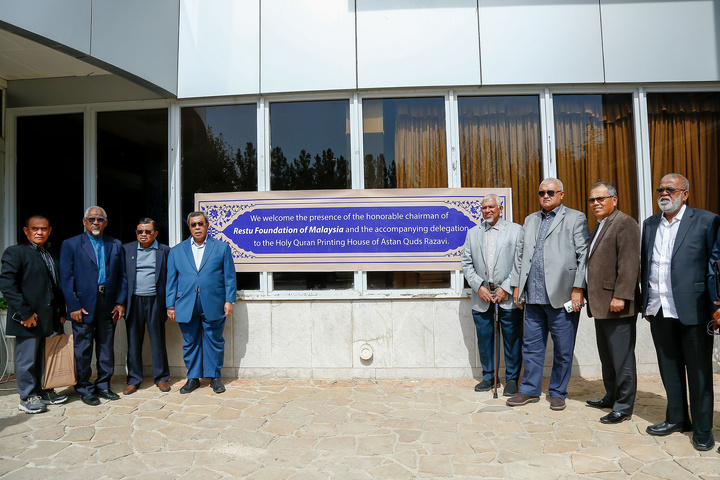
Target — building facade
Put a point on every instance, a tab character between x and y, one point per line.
136	106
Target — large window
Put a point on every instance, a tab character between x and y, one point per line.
405	147
132	170
596	142
50	173
500	147
219	155
310	150
684	138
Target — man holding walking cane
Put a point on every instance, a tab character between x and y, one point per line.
487	262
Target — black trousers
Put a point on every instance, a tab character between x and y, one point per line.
29	357
685	349
144	313
616	346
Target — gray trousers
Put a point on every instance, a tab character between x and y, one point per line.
29	357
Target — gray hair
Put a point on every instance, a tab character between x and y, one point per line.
491	196
612	191
87	212
197	214
552	179
685	181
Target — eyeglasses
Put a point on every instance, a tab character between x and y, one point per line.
597	199
95	219
196	224
670	190
146	232
550	193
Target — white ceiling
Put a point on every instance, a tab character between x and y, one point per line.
21	58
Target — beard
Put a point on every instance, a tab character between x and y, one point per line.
670	205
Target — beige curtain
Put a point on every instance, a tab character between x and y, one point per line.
595	142
500	147
420	146
684	132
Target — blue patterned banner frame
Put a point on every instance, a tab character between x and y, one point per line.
347	230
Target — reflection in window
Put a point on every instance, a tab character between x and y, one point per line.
405	147
219	155
404	143
684	137
596	142
132	175
310	150
310	145
500	147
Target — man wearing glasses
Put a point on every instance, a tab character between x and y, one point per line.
200	296
613	296
549	277
92	276
676	248
146	267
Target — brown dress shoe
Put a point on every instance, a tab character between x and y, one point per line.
130	389
557	403
521	399
163	386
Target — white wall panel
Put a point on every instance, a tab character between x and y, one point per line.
417	43
307	45
139	37
219	48
530	42
661	41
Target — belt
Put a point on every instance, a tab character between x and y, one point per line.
101	289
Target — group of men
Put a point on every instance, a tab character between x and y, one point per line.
548	267
95	281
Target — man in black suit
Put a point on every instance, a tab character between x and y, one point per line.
36	309
146	268
676	248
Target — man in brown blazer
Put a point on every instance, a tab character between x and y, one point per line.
613	267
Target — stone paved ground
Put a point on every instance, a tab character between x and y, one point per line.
302	429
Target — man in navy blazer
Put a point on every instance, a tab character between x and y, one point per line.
92	276
201	292
146	267
676	248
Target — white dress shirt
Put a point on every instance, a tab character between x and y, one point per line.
198	251
660	292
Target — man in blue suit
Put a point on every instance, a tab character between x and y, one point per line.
92	276
201	293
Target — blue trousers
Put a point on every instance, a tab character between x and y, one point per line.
203	344
99	333
539	320
510	323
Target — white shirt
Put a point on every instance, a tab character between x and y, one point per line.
660	292
198	251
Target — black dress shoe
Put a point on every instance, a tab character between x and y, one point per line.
665	428
217	385
90	399
703	441
511	388
484	386
108	394
614	417
190	385
602	403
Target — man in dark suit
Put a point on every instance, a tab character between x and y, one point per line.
613	268
36	309
146	269
549	272
676	249
201	293
92	276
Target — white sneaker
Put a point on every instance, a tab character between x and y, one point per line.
32	405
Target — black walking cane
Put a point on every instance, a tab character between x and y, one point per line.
495	359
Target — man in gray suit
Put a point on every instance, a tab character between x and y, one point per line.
487	261
549	272
613	295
